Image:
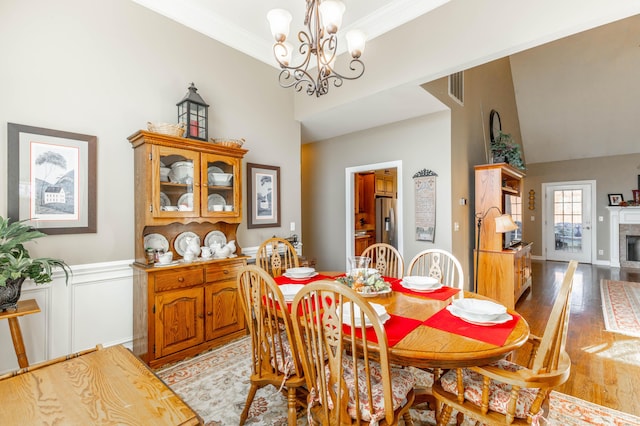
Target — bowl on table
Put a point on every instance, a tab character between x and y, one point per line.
420	282
478	308
301	272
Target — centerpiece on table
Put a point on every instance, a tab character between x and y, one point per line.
364	280
16	265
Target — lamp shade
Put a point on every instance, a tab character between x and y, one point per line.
355	42
504	223
331	12
279	21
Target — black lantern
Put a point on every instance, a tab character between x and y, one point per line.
192	111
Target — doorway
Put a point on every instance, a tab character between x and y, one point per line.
568	221
350	174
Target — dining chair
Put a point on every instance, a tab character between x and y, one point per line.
386	259
439	264
507	393
270	258
347	371
274	359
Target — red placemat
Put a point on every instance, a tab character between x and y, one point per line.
284	280
495	334
397	328
441	294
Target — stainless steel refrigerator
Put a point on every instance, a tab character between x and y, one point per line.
386	221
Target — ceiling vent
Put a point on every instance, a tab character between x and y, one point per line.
456	87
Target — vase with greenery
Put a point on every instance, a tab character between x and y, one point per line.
16	265
504	149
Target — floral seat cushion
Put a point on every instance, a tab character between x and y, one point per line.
283	362
499	393
402	382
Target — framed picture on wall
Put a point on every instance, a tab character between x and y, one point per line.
52	179
615	199
636	196
263	196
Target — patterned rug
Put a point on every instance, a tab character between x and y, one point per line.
621	306
215	385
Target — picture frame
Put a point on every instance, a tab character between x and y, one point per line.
615	199
52	179
636	196
263	196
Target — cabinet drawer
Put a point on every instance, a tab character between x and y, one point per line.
223	271
178	279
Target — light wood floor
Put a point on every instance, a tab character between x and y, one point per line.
605	366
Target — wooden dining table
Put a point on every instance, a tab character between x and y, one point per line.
427	346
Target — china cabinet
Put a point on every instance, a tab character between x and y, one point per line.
503	274
187	193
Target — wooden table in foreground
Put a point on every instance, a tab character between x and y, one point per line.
427	347
108	387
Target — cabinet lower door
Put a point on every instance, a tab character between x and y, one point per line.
225	314
179	320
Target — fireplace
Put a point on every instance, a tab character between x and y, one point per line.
624	236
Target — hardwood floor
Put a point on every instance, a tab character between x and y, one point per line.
605	366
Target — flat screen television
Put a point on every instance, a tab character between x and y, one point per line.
513	206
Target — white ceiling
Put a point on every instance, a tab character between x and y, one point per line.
242	25
460	34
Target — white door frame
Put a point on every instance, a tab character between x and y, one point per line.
350	199
546	223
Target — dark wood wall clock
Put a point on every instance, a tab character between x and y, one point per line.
495	126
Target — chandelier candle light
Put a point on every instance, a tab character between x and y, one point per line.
322	19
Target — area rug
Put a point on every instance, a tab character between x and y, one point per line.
621	306
215	385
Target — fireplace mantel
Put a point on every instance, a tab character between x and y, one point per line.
618	216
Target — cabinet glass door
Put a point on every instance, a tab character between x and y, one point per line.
220	197
177	180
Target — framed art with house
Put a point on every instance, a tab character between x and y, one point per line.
52	179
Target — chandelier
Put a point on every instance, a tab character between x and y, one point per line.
318	47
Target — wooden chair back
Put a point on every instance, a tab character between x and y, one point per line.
328	335
548	367
275	261
274	358
439	264
386	259
553	342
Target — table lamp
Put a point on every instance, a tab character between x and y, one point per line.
504	223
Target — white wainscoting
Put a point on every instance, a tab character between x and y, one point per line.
96	307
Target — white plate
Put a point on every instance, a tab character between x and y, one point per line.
474	319
214	169
214	199
479	307
421	289
346	314
420	282
180	244
303	272
185	202
289	291
164	200
292	277
156	241
158	264
215	237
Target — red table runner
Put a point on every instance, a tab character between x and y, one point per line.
397	328
284	280
441	294
495	334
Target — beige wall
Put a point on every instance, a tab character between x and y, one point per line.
486	87
419	143
105	69
613	175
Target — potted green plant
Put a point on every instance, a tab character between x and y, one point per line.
504	149
16	265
